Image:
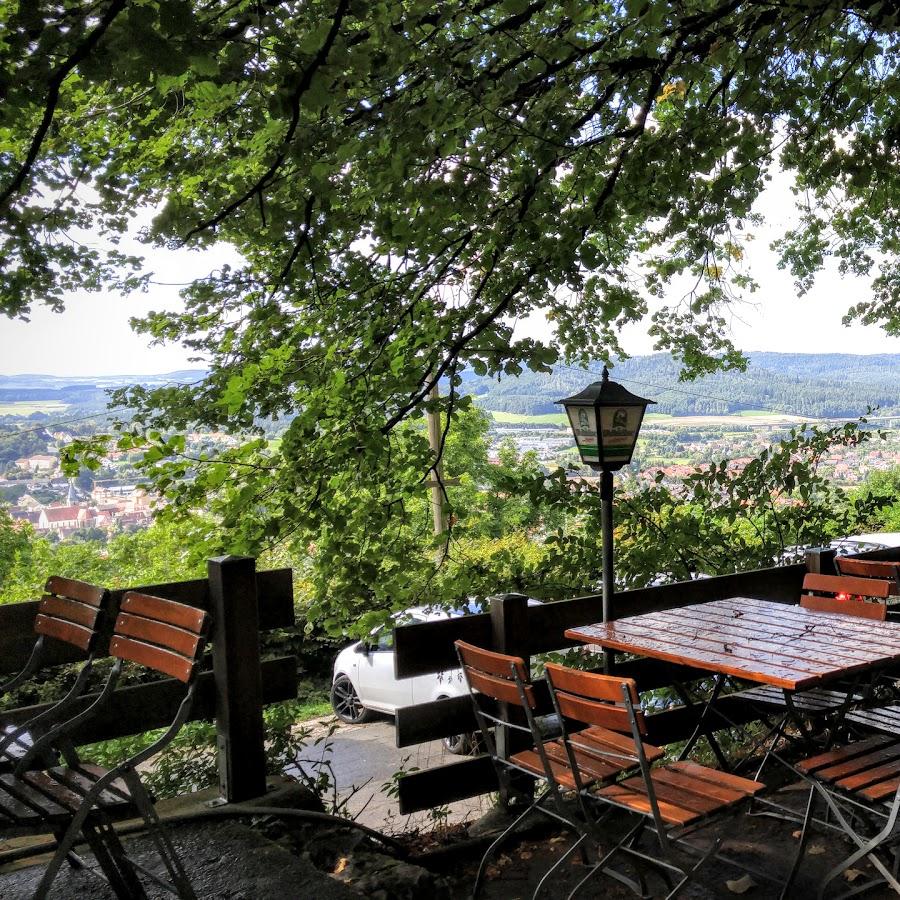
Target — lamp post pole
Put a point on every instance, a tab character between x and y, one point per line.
606	528
605	419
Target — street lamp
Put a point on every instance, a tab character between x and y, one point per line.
606	419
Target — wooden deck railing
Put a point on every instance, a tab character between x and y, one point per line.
243	603
514	627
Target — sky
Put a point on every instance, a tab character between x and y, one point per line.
92	336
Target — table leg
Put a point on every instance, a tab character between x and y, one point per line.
701	729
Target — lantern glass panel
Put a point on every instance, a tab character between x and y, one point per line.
583	420
619	426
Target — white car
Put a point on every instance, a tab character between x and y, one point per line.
364	683
860	543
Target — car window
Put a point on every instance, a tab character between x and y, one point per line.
385	639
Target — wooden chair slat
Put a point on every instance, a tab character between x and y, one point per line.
168	636
714	776
81	591
52	789
591	685
869	776
96	772
499	688
46	807
721	793
862	609
20	743
16	811
69	610
152	657
592	768
626	793
858	764
595	712
604	738
162	610
531	762
868	568
685	798
883	790
69	632
81	782
850	751
498	664
847	584
884	718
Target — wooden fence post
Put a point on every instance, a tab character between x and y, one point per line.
240	734
509	633
820	561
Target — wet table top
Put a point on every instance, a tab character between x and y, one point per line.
757	640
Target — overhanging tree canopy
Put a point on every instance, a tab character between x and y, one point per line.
404	179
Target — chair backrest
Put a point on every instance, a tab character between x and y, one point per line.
870	568
842	594
595	699
496	675
160	634
70	611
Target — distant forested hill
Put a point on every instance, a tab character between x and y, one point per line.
83	392
816	385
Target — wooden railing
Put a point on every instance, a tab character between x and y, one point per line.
243	602
514	627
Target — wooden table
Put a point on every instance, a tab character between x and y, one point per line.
755	640
769	643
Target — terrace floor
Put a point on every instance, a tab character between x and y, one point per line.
230	859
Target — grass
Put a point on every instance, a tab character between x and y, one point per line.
26	408
507	418
315	706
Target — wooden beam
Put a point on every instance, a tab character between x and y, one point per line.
446	784
428	646
143	707
236	666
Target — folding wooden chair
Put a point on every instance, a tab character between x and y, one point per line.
70	612
80	798
860	785
670	800
602	755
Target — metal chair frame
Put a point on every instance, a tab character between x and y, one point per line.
575	816
16	740
843	809
666	834
90	819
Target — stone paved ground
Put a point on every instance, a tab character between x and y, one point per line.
363	758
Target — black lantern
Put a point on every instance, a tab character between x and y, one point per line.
606	419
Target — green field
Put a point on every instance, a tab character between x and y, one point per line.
27	407
506	418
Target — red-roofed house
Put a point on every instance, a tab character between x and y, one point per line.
57	518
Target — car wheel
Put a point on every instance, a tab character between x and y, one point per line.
460	744
346	703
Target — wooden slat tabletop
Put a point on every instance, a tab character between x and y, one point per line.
770	643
